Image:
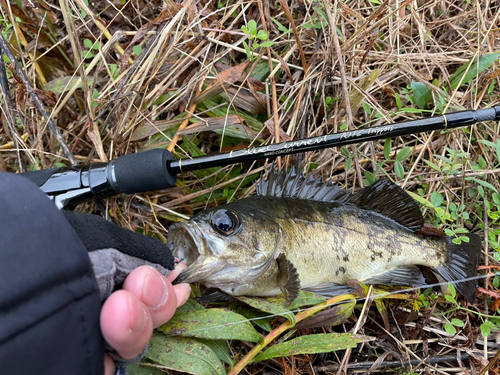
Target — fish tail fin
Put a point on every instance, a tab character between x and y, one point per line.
461	265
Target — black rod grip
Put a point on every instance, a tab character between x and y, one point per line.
144	171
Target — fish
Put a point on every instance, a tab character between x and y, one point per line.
300	233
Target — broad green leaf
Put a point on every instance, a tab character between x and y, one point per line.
190	305
344	151
450	299
484	183
269	43
312	344
487	143
348	164
457	322
262	35
281	28
140	369
450	329
421	94
247	50
184	354
219	347
432	165
258	318
398	101
217	324
252	27
486	328
137	49
403	154
275	306
399	170
261	70
63	84
387	148
88	43
452	290
411	110
477	65
437	199
306	299
496	198
370	177
420	199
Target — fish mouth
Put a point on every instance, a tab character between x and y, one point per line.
185	246
189	245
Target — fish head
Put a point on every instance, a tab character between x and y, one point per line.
226	245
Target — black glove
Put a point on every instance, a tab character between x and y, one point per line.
50	302
115	251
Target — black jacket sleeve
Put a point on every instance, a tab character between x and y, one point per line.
49	300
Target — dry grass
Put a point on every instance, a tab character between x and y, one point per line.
339	65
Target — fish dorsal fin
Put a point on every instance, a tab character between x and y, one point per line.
288	279
291	184
389	200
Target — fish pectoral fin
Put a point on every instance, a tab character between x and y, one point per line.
288	278
330	289
214	295
410	275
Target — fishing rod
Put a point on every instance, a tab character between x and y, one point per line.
157	169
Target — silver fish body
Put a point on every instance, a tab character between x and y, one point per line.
246	247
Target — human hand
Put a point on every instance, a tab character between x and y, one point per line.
147	300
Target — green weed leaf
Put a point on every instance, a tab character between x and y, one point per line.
421	94
348	164
252	27
143	370
217	324
247	50
403	154
450	299
262	35
484	183
486	328
452	290
306	299
399	170
219	347
450	329
184	354
273	305
432	165
312	344
344	151
269	43
398	101
88	43
436	199
477	65
137	49
457	322
387	148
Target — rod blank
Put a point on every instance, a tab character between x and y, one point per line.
441	122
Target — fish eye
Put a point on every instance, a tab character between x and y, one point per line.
225	222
